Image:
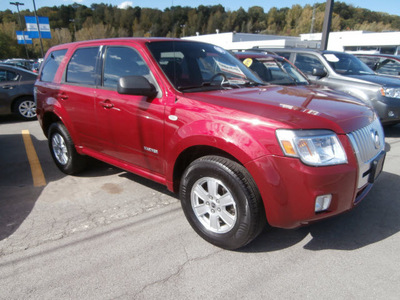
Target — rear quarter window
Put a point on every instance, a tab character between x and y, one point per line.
51	64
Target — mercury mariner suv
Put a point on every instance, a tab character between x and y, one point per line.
239	152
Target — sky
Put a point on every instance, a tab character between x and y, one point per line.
388	6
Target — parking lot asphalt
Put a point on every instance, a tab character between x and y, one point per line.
109	234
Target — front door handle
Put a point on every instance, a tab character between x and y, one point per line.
62	96
107	104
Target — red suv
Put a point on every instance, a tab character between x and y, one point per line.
191	116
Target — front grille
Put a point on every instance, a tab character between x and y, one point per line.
367	143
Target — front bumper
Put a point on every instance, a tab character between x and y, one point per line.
388	110
289	188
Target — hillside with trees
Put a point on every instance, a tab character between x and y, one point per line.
78	22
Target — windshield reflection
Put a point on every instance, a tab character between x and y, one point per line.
199	66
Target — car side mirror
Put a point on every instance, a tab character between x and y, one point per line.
319	72
136	85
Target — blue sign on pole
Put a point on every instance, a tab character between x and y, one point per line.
23	37
32	28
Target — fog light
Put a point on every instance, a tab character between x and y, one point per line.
391	114
322	202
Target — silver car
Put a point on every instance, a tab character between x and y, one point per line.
344	72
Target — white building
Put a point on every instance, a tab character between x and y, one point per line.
234	41
350	41
359	41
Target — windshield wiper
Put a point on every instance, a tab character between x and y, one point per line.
254	83
208	84
199	86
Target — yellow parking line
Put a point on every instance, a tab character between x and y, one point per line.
36	168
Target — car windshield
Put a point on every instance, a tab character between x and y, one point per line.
276	71
347	64
193	66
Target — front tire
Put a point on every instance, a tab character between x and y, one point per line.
63	150
25	108
221	202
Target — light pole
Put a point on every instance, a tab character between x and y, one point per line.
37	23
327	24
17	4
73	21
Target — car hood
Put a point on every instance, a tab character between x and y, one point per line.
298	107
378	79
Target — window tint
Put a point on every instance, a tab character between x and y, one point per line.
51	64
82	66
307	62
120	62
6	75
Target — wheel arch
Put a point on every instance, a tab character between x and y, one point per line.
190	154
48	119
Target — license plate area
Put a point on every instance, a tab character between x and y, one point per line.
376	167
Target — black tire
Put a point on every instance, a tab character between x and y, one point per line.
238	218
63	150
25	108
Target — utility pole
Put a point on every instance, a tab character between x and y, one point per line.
37	23
327	24
312	20
17	4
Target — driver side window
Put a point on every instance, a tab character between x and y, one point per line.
306	63
123	61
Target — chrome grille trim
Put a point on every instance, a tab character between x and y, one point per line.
365	148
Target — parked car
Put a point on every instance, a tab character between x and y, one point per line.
16	92
20	62
191	116
383	64
272	68
344	72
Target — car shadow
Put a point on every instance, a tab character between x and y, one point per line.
373	220
18	194
392	131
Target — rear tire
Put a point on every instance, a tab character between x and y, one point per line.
221	202
63	150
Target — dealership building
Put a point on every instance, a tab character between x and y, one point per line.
349	41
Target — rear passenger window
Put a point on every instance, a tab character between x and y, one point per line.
82	66
6	75
51	64
120	62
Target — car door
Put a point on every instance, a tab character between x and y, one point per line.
132	126
9	82
77	94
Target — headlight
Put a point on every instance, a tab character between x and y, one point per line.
390	92
313	147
